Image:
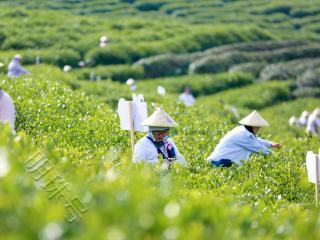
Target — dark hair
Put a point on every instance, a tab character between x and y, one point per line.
250	129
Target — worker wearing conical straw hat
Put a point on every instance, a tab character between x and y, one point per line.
241	141
14	68
157	142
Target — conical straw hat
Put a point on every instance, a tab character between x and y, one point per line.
159	119
17	56
254	120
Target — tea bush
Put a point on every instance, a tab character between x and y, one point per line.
75	127
51	113
59	57
251	67
117	72
212	64
260	95
308	84
199	84
288	70
178	64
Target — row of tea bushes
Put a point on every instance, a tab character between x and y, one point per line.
199	84
256	96
130	39
180	64
288	70
58	57
200	38
118	72
224	61
308	84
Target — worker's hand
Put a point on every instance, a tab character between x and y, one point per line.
276	145
165	165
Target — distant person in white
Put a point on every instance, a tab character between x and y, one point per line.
187	98
67	68
161	90
7	111
131	83
104	41
241	141
14	68
233	110
303	119
157	142
313	122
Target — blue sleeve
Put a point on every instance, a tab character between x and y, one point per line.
22	70
252	144
180	159
264	142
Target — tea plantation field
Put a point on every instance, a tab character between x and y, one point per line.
67	172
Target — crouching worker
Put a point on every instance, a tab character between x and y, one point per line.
157	142
15	69
241	141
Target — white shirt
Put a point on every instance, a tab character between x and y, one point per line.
187	99
145	151
133	87
15	69
103	44
7	111
237	145
303	120
313	124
